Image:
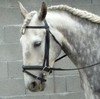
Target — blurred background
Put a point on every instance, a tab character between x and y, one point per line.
60	85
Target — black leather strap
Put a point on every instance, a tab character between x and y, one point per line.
35	77
47	46
36	27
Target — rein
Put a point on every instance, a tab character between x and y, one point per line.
56	69
45	66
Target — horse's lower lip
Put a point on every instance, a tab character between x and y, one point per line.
41	88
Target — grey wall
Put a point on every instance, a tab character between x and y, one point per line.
65	85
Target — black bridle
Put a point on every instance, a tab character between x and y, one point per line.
45	66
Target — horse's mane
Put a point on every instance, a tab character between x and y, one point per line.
77	12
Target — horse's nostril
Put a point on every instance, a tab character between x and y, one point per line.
34	84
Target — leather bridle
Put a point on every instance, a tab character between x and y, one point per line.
45	66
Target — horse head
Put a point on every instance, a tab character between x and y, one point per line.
33	46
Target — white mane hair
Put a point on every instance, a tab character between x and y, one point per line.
27	21
81	13
76	12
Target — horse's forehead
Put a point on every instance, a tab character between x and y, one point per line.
32	35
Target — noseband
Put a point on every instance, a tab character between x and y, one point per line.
45	66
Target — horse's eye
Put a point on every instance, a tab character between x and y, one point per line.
37	43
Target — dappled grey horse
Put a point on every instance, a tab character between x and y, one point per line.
78	33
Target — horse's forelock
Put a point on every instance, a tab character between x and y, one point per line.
27	21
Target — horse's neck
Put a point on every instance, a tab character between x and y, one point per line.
62	21
79	33
62	25
66	26
77	36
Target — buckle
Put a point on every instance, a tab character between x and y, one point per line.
48	69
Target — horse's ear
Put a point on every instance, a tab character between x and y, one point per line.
24	12
42	12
